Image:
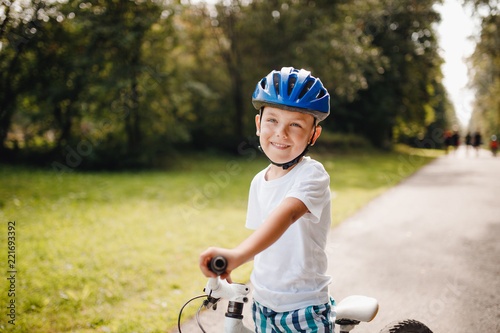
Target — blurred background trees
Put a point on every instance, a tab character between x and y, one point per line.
120	83
485	68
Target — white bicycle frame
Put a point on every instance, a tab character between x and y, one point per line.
350	311
236	294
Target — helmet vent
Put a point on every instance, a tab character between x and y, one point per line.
291	84
322	93
276	79
306	88
263	83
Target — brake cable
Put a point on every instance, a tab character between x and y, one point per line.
197	314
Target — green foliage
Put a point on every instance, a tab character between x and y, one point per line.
118	252
140	79
404	93
342	142
19	26
485	62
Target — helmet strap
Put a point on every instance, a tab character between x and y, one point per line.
288	164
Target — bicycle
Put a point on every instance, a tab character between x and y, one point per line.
351	311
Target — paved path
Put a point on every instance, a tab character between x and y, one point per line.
427	249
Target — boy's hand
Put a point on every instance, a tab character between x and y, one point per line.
213	252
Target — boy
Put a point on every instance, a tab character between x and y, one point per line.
289	209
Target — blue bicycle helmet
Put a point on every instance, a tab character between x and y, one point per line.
293	90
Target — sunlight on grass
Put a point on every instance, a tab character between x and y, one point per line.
118	252
356	179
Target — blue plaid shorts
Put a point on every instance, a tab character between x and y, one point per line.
312	319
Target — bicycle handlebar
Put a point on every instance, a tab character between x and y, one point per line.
234	293
218	265
217	288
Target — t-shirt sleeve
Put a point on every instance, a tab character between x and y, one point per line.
312	187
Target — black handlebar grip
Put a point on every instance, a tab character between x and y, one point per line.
218	265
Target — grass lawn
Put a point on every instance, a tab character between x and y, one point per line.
118	252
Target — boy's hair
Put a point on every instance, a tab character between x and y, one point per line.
293	90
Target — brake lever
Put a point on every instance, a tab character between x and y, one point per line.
211	302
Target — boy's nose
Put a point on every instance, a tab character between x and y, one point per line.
281	132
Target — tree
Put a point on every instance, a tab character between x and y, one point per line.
138	79
119	29
399	99
20	26
315	35
485	70
91	71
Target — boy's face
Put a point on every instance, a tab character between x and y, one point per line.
284	134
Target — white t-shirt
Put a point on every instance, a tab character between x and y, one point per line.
291	273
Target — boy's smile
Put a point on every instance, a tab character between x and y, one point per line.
279	146
285	134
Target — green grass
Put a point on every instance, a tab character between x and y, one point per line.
358	178
118	252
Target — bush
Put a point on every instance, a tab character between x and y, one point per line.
330	141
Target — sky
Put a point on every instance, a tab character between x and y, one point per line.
455	30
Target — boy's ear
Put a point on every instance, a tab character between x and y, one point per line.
257	124
316	135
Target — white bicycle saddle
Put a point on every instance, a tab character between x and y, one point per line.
360	308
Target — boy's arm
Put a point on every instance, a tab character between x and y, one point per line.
282	217
289	211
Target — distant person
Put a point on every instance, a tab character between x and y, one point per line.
477	142
468	141
289	209
455	140
494	145
447	141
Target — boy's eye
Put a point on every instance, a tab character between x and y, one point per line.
271	120
296	125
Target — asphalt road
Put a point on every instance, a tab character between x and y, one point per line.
428	249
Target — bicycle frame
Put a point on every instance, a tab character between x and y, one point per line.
351	310
236	294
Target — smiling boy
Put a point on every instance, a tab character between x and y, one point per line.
289	209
